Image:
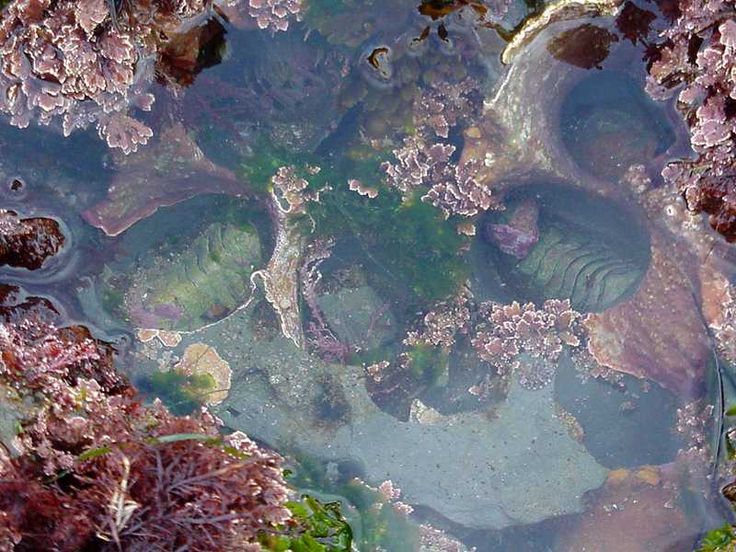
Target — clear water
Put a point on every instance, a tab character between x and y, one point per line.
583	459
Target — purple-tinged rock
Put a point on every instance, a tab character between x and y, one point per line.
519	234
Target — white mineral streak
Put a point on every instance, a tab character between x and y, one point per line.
515	139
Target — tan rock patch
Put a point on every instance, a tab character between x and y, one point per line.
200	358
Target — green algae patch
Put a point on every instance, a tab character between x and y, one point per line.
181	393
412	247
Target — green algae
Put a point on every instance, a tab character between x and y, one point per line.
413	247
428	365
721	539
181	393
416	252
320	526
376	524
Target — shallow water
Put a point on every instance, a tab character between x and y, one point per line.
561	444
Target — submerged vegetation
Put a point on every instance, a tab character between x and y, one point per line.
182	393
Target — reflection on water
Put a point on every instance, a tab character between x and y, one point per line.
345	243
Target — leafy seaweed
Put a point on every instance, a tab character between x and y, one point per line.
317	527
375	523
719	540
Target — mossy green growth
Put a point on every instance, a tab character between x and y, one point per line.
182	393
382	527
265	160
413	248
719	540
410	243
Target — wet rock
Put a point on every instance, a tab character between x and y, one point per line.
586	46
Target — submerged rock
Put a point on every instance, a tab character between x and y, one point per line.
608	124
637	511
624	425
659	332
593	252
515	466
202	360
359	317
198	285
28	242
168	172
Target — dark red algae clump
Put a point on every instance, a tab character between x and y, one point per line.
95	469
28	242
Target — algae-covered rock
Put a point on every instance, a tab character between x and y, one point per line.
198	285
201	360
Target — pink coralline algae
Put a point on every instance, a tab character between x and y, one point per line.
697	57
460	192
441	326
70	61
41	354
64	61
442	107
274	15
290	186
424	162
418	164
526	340
139	477
425	166
131	475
